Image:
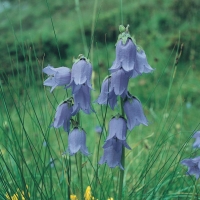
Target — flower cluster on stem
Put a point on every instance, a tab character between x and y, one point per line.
130	62
78	79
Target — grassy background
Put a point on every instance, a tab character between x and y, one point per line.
37	33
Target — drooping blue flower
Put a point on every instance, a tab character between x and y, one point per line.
125	56
57	76
193	165
134	112
197	142
113	152
119	82
142	65
82	100
117	128
129	56
81	73
77	142
63	115
107	95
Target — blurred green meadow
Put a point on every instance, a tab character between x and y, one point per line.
37	33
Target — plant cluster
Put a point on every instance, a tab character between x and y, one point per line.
130	62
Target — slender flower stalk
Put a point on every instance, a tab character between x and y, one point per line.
80	174
121	176
79	163
193	193
130	62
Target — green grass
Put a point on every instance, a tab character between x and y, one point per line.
169	96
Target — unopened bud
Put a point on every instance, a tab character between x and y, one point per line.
121	28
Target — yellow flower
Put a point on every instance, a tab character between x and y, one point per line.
16	196
19	195
88	193
110	198
73	197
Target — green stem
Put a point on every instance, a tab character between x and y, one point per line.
194	190
121	12
79	162
79	166
81	26
121	176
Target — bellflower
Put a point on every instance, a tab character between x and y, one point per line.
119	82
112	153
134	112
82	100
197	142
77	142
81	73
107	95
117	128
142	65
130	57
57	76
125	56
193	165
63	115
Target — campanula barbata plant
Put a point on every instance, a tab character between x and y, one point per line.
78	79
130	62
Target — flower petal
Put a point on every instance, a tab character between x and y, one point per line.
49	70
50	82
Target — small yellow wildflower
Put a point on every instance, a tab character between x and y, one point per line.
16	196
73	197
110	198
88	193
19	195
